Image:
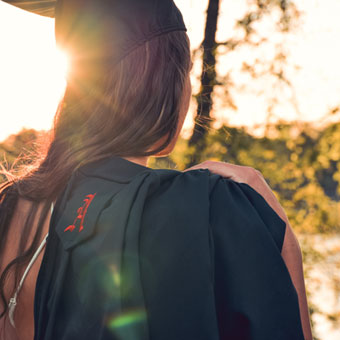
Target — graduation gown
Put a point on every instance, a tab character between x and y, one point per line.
135	253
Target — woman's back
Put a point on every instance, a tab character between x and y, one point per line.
23	317
142	253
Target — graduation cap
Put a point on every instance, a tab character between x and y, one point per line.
106	28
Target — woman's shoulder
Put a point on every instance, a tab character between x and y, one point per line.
221	202
244	209
230	206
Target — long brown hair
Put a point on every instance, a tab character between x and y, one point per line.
115	110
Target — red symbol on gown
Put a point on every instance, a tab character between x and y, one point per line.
81	213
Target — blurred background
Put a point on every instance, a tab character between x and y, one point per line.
266	94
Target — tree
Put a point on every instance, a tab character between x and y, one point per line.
212	50
208	81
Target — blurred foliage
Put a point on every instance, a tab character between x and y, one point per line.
16	145
19	151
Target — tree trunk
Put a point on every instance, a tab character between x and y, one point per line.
208	81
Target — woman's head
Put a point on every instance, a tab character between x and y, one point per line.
127	93
129	79
125	109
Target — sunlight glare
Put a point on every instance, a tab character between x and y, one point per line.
62	63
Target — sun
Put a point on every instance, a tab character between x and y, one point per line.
62	63
51	75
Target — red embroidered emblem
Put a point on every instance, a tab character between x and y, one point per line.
81	213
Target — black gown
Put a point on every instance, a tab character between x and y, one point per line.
135	253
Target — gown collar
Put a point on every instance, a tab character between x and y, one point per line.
114	168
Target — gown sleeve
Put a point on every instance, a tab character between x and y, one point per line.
254	295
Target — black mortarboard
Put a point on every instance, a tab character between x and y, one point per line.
106	28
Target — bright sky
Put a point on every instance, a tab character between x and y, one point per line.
32	73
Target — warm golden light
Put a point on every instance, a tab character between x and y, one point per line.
62	62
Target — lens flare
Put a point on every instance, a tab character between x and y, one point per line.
127	319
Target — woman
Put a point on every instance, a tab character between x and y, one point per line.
131	252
